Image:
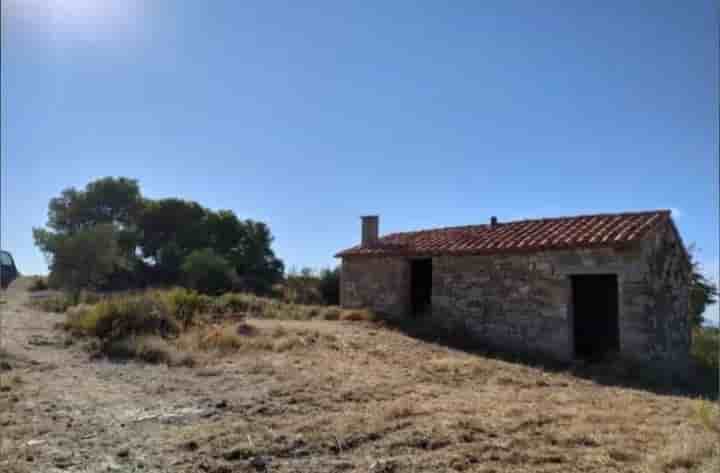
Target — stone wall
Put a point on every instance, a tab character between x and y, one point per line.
655	320
381	284
522	302
511	302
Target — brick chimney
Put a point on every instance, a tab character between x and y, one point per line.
493	222
370	225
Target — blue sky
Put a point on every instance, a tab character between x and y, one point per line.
308	116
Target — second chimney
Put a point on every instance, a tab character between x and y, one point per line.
493	222
370	224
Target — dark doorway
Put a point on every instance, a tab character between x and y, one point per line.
420	285
595	315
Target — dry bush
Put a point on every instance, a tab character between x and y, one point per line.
58	303
401	409
183	304
39	283
357	315
222	338
121	317
148	348
332	313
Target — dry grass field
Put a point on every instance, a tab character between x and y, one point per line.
325	396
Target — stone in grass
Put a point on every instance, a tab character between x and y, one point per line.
190	446
240	453
260	463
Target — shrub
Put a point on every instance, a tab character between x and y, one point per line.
223	338
81	318
235	303
207	272
151	349
302	288
706	346
38	284
357	315
333	313
58	303
183	304
121	317
330	286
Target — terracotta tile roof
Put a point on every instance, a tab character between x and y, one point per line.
584	231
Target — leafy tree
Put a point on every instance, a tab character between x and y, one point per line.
703	292
115	201
171	229
84	259
330	285
153	239
255	261
207	272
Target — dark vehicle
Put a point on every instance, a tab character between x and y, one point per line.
8	271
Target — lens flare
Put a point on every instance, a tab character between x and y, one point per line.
83	19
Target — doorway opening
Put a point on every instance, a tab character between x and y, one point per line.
420	285
596	330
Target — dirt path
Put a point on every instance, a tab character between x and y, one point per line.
69	414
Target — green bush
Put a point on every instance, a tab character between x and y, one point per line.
207	272
706	346
120	317
183	304
330	286
302	288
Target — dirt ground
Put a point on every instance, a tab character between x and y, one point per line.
342	397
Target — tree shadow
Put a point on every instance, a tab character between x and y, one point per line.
692	379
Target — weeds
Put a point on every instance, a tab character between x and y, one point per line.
58	303
38	284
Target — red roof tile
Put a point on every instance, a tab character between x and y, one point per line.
584	231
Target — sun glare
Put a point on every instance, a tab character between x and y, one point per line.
89	19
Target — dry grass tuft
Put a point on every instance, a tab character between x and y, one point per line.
357	315
147	348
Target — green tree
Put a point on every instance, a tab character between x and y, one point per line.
207	272
171	229
152	239
115	201
703	291
254	260
107	209
84	259
330	285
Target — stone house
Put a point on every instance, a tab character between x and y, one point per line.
569	287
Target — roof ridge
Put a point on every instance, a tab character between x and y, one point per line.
528	220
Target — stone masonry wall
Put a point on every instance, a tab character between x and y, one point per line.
514	302
381	284
655	320
523	302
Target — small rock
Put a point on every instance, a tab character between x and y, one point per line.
123	453
5	366
241	453
260	463
383	466
62	462
4	389
221	405
190	446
